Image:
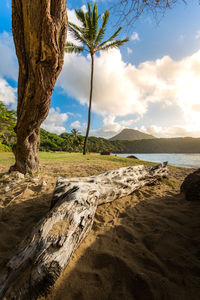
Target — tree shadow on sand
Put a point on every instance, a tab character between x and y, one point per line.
18	219
145	247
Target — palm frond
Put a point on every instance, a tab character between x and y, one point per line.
80	14
91	28
114	44
102	29
78	28
90	8
77	35
89	16
112	37
95	19
71	48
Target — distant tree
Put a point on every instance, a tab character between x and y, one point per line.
77	140
7	118
75	132
7	124
50	141
91	35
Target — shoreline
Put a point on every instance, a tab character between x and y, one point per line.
184	160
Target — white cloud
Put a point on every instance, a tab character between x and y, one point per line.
55	122
111	127
7	93
8	68
135	36
73	19
197	36
173	131
122	89
109	124
74	114
114	92
129	50
76	125
80	127
8	61
127	123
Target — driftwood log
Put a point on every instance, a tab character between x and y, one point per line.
42	256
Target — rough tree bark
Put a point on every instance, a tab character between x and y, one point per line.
39	31
46	252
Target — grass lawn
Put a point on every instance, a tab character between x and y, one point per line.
6	158
70	158
72	164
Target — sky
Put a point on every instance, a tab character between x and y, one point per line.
152	83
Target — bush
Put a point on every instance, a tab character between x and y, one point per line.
105	153
5	148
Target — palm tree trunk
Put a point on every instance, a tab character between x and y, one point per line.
90	104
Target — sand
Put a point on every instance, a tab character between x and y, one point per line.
144	246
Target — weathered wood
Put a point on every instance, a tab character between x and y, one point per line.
41	257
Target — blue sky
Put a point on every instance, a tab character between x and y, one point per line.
150	84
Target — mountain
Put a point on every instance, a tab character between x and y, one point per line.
131	135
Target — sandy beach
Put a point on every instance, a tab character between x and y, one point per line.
144	246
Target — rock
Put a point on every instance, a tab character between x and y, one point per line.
132	156
44	183
28	175
19	175
7	188
191	186
9	179
11	182
105	152
5	176
35	179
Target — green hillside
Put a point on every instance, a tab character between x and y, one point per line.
72	142
163	145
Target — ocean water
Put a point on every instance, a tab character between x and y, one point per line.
186	160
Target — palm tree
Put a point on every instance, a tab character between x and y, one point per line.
91	35
75	132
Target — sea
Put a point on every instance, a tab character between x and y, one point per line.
186	160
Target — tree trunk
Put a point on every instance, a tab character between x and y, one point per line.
47	251
90	105
39	31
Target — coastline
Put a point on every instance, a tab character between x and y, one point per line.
184	160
